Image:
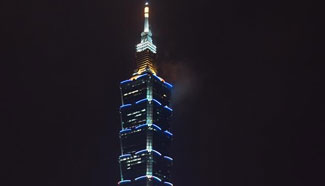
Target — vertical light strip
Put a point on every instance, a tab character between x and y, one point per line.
146	19
149	105
149	122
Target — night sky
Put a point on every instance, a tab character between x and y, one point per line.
248	98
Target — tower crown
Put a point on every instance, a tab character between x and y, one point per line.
146	50
146	40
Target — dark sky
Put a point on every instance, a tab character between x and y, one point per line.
248	98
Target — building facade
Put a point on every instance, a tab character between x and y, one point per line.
145	120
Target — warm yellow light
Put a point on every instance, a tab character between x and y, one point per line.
142	70
146	12
134	77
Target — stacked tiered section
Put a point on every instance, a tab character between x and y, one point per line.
145	135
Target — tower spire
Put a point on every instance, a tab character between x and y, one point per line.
146	18
146	40
146	50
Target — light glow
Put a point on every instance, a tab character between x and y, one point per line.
125	130
170	184
140	126
167	157
155	177
159	78
167	132
125	155
169	85
156	152
156	126
138	76
126	105
156	101
140	101
149	177
124	181
125	81
168	108
146	11
141	76
141	151
146	45
140	177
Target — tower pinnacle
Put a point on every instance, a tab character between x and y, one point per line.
146	18
146	40
146	50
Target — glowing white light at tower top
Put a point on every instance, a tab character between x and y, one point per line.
146	19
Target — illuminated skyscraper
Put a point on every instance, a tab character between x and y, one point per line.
145	114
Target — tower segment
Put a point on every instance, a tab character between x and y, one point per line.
146	50
145	112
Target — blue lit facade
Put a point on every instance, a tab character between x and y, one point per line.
145	120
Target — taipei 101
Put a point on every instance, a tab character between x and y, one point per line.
145	119
162	93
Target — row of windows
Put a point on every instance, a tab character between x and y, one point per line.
136	112
132	92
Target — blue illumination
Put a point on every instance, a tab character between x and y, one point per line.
125	81
168	108
141	76
146	176
169	85
155	177
125	155
125	181
141	151
167	157
156	126
156	77
142	100
126	105
140	177
156	152
125	130
168	183
167	132
140	126
145	125
156	101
